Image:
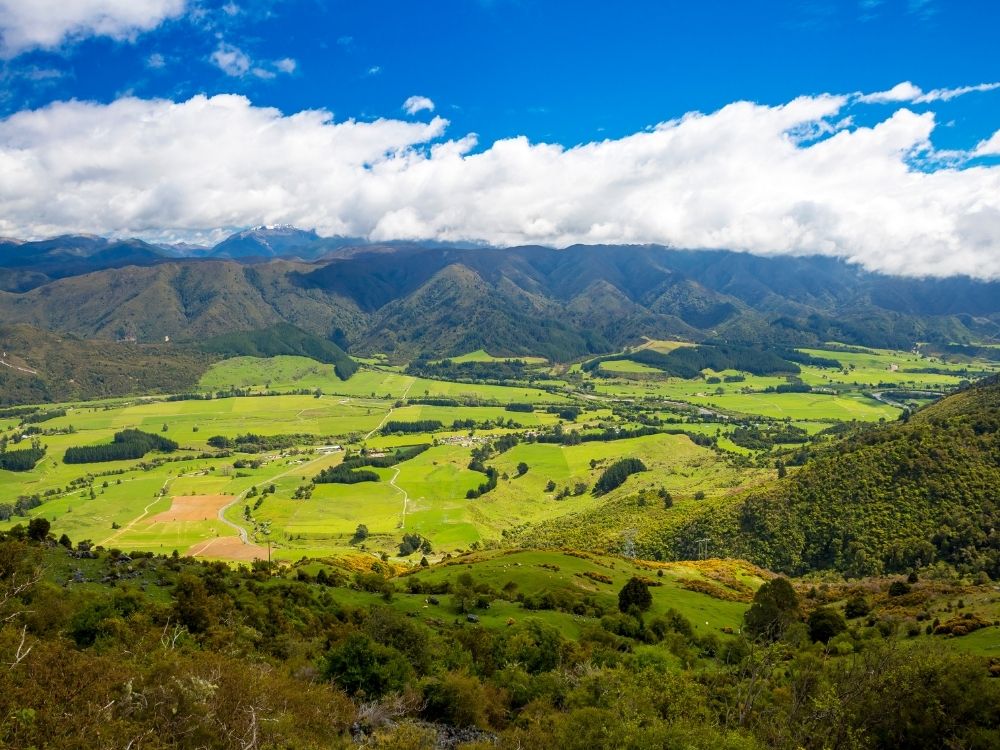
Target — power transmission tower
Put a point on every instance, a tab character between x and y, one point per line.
628	546
703	547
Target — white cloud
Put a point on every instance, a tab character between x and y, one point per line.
989	147
46	24
909	92
735	179
945	95
416	104
236	63
901	92
156	61
231	60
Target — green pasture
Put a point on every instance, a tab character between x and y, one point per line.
627	366
280	373
481	355
535	572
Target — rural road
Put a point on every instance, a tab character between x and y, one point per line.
406	498
5	363
244	537
388	413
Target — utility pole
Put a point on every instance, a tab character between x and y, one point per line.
266	528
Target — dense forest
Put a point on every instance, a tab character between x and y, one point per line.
688	361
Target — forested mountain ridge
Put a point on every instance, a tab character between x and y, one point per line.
407	299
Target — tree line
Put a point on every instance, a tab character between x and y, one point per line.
127	444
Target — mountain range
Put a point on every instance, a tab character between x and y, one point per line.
406	298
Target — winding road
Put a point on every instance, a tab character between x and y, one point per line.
244	536
406	498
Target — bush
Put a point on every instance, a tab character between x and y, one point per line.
775	607
825	623
362	666
636	594
457	699
38	529
857	606
899	588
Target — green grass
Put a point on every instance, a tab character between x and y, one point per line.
436	481
282	372
481	355
535	572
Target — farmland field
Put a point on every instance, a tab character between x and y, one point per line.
311	418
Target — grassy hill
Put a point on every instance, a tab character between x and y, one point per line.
886	499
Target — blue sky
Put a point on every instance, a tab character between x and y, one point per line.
862	129
554	71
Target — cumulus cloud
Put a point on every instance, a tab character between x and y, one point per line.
738	178
235	62
46	24
416	104
909	92
231	60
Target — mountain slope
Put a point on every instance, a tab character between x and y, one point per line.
27	265
885	500
402	299
457	311
49	367
183	300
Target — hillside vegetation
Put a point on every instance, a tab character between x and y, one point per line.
892	499
282	339
66	368
408	300
883	499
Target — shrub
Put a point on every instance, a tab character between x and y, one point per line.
825	623
362	666
857	606
636	594
899	588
